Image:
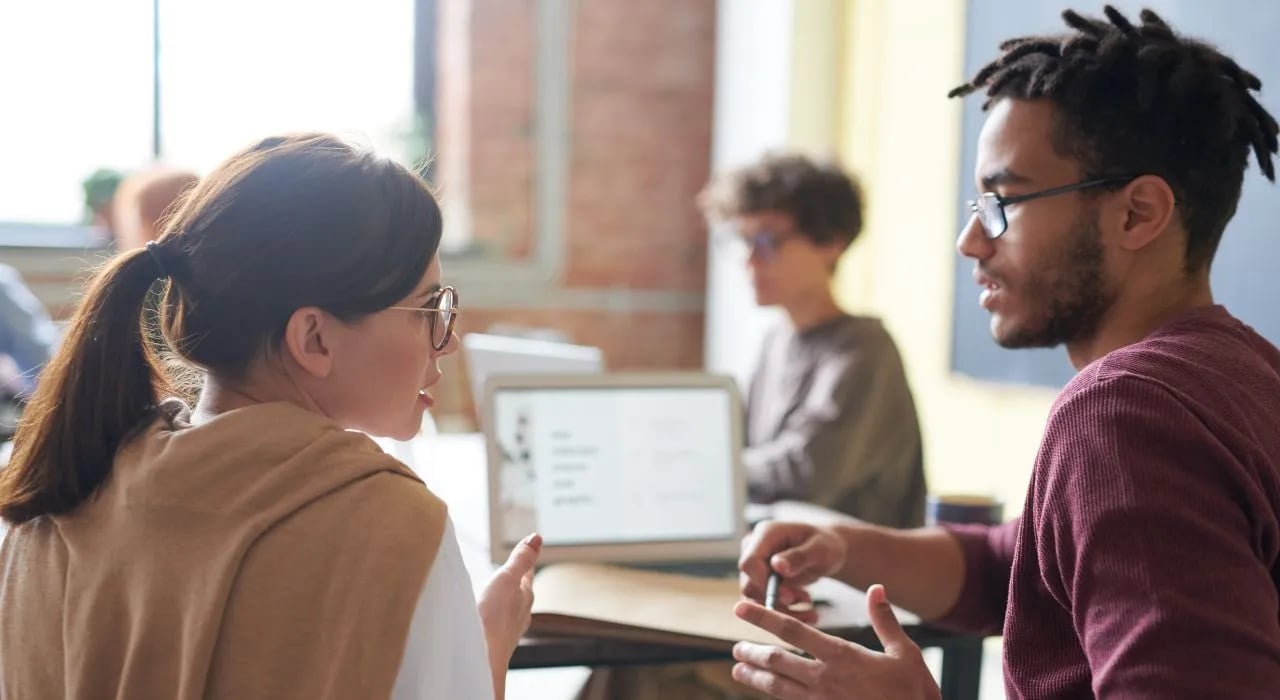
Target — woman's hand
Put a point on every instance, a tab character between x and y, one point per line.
506	607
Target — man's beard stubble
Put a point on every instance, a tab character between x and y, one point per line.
1069	298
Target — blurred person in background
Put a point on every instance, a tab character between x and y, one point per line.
830	417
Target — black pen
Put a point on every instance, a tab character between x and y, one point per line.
771	590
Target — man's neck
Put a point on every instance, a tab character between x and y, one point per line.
1130	320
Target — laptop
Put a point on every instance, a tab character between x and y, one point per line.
489	355
641	469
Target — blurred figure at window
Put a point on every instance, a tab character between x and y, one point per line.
27	335
143	200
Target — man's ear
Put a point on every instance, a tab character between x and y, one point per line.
1149	207
308	340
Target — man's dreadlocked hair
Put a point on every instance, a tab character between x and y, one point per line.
1135	100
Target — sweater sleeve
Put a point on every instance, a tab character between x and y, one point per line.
988	562
836	439
1155	538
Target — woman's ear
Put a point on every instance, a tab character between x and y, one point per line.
308	341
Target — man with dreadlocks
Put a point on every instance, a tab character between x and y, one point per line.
1146	562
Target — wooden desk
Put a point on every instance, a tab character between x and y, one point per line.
961	655
453	467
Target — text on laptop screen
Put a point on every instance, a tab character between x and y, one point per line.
600	465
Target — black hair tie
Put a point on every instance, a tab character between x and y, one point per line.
154	251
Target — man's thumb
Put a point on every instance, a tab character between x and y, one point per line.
884	622
802	562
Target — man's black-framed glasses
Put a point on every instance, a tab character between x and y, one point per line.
989	207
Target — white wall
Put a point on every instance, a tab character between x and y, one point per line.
752	106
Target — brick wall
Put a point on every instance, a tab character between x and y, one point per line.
641	147
640	107
641	88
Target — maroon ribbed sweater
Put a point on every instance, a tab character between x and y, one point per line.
1145	563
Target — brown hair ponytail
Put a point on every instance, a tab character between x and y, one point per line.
97	389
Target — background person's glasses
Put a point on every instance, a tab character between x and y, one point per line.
442	311
989	207
764	245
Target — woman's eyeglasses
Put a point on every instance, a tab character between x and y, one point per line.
442	311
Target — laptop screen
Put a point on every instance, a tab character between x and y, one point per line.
490	355
601	465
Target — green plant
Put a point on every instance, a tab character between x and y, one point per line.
99	187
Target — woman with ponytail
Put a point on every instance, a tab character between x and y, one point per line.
254	545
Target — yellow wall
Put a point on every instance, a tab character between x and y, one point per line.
818	68
884	111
